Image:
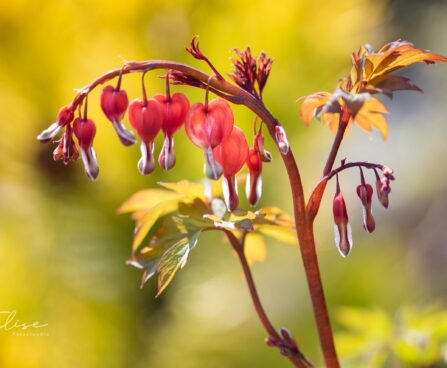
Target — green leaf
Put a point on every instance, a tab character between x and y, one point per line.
174	259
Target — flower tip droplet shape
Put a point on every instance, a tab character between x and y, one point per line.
365	192
114	105
64	117
231	154
146	117
175	109
342	229
85	130
383	190
281	140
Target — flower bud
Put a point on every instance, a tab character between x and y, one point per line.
146	117
342	229
231	154
259	146
85	130
383	190
175	109
253	184
365	192
66	150
281	139
64	117
207	127
114	105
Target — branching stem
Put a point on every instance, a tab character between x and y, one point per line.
304	225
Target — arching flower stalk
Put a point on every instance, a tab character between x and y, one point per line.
210	126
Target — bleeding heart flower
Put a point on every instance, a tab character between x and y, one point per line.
253	184
64	117
66	150
207	125
146	116
231	154
114	105
365	192
175	108
85	130
342	229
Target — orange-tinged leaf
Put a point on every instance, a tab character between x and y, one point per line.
311	104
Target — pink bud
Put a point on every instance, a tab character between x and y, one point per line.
85	130
383	190
253	184
64	117
146	163
342	229
281	139
365	192
114	105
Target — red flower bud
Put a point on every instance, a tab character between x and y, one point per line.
253	184
175	109
207	127
114	105
365	192
383	190
64	117
231	154
66	150
85	130
147	118
342	229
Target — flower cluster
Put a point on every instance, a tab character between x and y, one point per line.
209	126
353	99
342	229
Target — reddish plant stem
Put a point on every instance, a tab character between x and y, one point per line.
367	165
304	226
238	246
342	125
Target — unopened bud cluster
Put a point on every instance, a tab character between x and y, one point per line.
342	228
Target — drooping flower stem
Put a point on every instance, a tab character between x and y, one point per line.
304	225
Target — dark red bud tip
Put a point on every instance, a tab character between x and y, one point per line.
342	229
229	187
281	140
64	117
146	163
365	192
167	155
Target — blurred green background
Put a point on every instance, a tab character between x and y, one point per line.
63	248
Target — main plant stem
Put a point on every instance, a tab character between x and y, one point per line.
304	225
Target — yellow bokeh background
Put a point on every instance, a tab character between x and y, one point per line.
63	248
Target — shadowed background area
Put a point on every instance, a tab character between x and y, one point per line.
63	248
